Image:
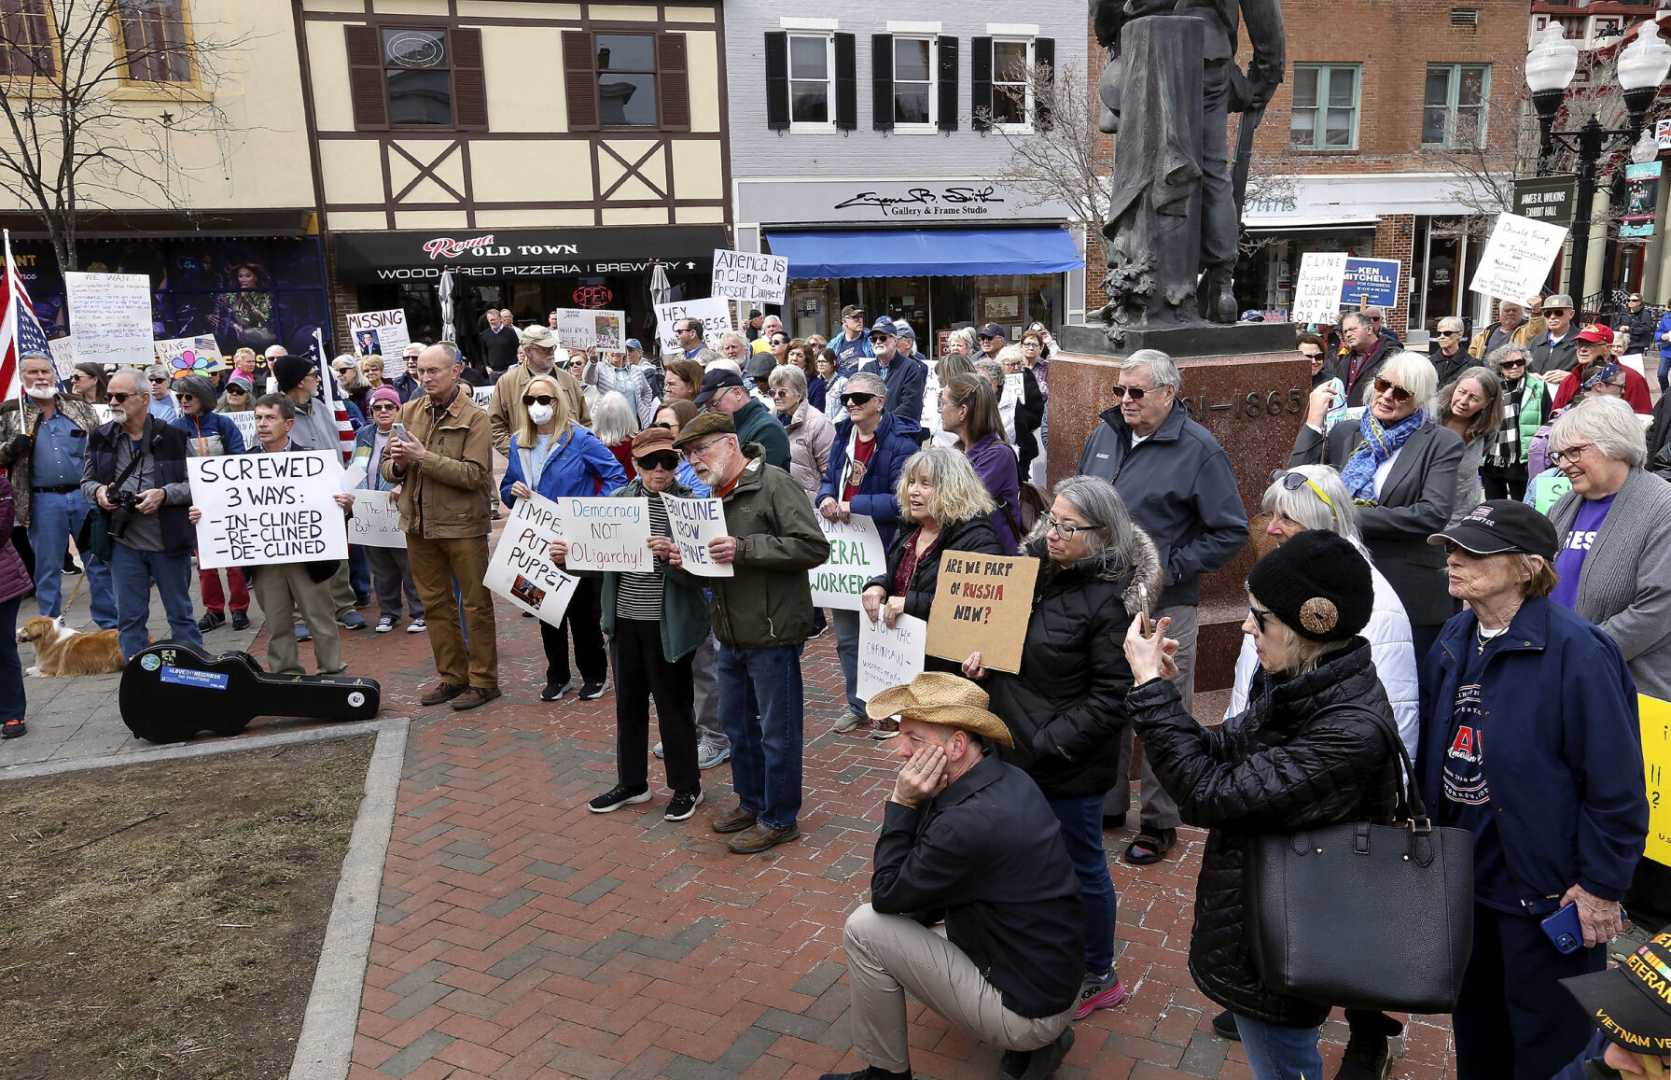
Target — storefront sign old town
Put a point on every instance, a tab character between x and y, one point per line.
950	201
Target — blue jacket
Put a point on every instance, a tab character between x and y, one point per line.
1563	753
850	354
197	427
579	464
1660	331
905	379
875	498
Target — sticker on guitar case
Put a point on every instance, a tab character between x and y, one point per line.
206	680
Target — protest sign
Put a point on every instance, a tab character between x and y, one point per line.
1370	281
694	523
63	355
1317	292
1517	258
889	657
245	422
482	395
856	556
606	534
103	412
1655	717
1015	388
376	520
381	333
521	569
714	313
261	509
982	604
749	275
188	355
110	316
587	328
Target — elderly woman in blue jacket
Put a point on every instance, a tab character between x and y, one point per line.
563	459
1530	742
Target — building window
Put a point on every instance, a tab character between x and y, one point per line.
915	100
26	38
811	80
1454	112
154	40
417	69
1012	84
626	80
1325	113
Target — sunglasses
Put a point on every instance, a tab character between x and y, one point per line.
1259	616
1311	355
780	392
1398	392
851	400
1134	392
236	388
665	459
384	406
537	399
984	337
117	397
780	341
154	379
188	397
877	339
1450	333
1294	481
1513	364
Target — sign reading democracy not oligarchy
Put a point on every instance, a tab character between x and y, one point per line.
521	569
268	508
749	275
607	534
856	556
982	604
694	522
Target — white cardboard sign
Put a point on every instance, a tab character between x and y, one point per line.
714	312
262	509
694	523
521	569
376	520
381	333
890	657
749	275
1517	258
63	355
1317	292
607	534
110	315
586	328
856	556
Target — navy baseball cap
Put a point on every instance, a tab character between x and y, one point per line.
715	382
992	329
884	325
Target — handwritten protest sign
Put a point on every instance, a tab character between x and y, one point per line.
245	422
63	355
521	569
268	508
607	534
982	604
713	312
482	395
381	333
694	523
1655	717
890	657
586	328
1015	388
376	520
110	315
749	275
1317	291
856	556
200	353
1517	258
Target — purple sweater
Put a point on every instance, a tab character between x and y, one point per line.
995	464
14	577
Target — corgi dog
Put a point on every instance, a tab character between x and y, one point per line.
61	651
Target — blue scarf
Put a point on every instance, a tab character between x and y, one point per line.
1379	444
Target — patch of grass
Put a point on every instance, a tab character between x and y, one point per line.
164	920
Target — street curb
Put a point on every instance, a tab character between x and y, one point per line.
326	1043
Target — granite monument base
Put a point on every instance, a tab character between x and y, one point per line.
1252	402
1203	339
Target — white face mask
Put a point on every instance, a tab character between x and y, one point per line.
41	393
539	414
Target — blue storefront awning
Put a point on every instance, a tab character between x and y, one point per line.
851	253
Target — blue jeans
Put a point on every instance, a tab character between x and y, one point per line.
1081	820
847	649
1664	371
760	700
359	571
13	701
54	517
1275	1052
134	571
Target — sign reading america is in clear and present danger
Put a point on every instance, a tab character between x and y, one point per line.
749	275
1370	281
982	604
268	508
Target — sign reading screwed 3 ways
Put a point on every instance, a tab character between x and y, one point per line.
268	508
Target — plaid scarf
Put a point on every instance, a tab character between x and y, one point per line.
1505	449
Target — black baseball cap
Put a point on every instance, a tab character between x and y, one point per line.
1502	527
992	329
1631	1003
714	382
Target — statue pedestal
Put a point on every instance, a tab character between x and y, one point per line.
1203	339
1252	401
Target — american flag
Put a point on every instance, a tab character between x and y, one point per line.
22	332
328	387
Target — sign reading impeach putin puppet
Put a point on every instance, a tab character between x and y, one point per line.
982	604
521	569
268	508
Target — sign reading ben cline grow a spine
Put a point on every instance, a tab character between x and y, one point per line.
749	275
268	508
694	523
856	556
521	569
982	604
110	316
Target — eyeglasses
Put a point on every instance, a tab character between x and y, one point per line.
1398	392
117	397
1065	531
1134	392
1259	616
1294	481
780	392
665	459
384	406
537	399
1570	454
850	401
697	450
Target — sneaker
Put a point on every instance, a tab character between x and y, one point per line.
555	691
1104	991
761	838
591	691
1037	1064
416	626
848	721
211	620
683	805
352	621
385	624
13	728
710	754
303	633
656	750
240	620
1224	1026
441	693
619	796
474	697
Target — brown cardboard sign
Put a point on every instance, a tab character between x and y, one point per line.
982	604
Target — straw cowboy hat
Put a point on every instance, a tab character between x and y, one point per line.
938	698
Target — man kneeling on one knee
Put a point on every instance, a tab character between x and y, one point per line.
967	838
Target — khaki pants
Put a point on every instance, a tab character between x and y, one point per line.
283	588
888	955
435	564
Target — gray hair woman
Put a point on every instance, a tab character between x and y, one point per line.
1472	407
1525	409
961	342
810	431
614	424
1400	464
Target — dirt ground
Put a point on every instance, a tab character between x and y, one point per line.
164	920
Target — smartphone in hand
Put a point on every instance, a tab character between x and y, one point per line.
1564	931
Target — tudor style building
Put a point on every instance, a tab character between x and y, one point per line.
548	154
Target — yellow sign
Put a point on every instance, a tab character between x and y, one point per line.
1656	759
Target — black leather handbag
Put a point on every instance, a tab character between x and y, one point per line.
1365	915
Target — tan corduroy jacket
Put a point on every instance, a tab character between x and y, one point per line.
446	497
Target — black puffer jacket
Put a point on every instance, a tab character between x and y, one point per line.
974	535
1067	707
1315	749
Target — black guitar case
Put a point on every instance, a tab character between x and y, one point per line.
173	690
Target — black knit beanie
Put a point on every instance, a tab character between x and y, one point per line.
1318	584
289	371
